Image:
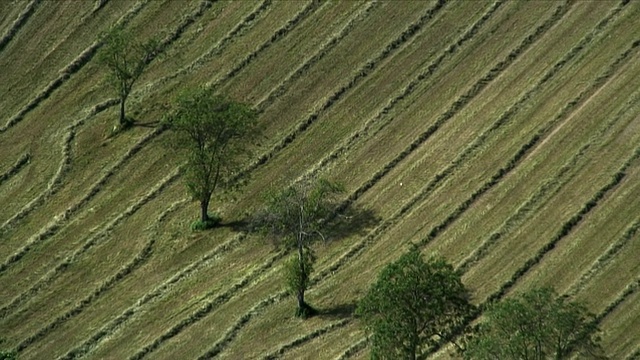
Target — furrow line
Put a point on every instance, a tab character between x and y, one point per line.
306	338
311	61
99	5
460	103
567	227
67	71
545	191
604	259
629	290
92	240
238	30
15	168
428	71
282	32
355	250
141	257
18	23
208	307
233	331
364	71
354	349
120	321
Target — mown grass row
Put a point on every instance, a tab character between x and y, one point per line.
428	71
91	241
459	103
355	250
85	56
238	30
158	292
208	307
631	288
306	338
365	70
18	23
354	349
138	260
311	61
547	189
15	168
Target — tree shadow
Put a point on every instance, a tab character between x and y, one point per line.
240	225
352	221
341	311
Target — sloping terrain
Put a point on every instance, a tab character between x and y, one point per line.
504	135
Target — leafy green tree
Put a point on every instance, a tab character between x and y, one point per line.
412	305
8	355
126	60
296	216
213	133
535	325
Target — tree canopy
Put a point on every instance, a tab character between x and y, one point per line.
412	305
213	133
535	325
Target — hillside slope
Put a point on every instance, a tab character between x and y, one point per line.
504	135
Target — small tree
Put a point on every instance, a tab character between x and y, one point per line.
7	355
296	216
212	132
535	325
412	305
126	59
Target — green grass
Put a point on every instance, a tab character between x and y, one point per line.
490	134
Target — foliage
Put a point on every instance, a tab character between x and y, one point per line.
412	304
8	355
536	325
212	132
126	60
295	216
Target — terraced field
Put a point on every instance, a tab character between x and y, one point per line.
504	135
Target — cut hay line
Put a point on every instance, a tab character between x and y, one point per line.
567	227
305	339
66	73
120	321
428	71
99	5
356	249
238	30
279	34
15	168
324	49
138	260
547	189
233	331
460	103
365	70
629	290
354	349
92	240
210	306
18	23
59	220
634	355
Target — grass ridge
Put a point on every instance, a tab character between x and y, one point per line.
16	167
17	24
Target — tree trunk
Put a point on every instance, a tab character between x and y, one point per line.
303	274
123	118
204	209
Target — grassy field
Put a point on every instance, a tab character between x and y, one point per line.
503	135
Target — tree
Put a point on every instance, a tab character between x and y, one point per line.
126	60
8	355
535	325
213	133
412	305
296	216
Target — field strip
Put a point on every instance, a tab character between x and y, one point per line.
312	60
68	70
354	349
18	23
139	259
629	290
306	338
429	70
547	189
568	226
117	323
240	29
15	168
89	243
212	305
356	249
369	67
